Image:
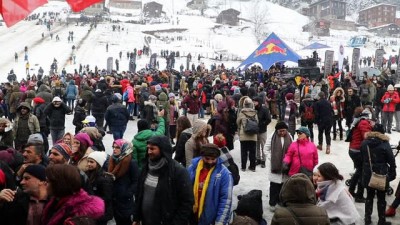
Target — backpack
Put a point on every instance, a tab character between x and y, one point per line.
251	126
349	132
308	115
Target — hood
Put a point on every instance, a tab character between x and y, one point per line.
298	189
188	130
376	138
72	82
249	112
338	89
15	88
163	97
30	94
44	88
93	132
86	87
99	94
200	126
163	143
24	104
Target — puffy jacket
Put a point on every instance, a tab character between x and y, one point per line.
117	115
56	115
33	122
241	123
99	103
164	103
389	101
218	199
129	92
323	112
264	118
179	148
308	153
71	91
337	103
358	134
382	159
139	141
191	150
191	104
298	194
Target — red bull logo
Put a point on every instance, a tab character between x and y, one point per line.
269	49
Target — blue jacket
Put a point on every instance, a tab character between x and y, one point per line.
218	201
71	91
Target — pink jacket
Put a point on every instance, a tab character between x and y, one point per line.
131	94
308	152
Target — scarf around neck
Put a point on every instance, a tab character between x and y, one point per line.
278	151
322	190
198	206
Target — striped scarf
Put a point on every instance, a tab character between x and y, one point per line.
198	206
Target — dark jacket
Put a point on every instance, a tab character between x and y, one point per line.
323	112
298	194
99	103
380	92
7	138
192	105
179	148
382	159
307	102
125	188
38	111
117	115
264	118
350	104
56	115
79	116
174	192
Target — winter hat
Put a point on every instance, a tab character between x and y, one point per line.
89	119
281	125
248	103
143	125
64	149
235	83
390	88
211	150
35	139
171	95
37	171
157	88
289	96
152	98
84	138
218	97
304	130
117	97
99	157
247	84
12	158
81	102
144	85
38	100
220	140
379	128
57	99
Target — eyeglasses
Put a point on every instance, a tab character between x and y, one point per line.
299	133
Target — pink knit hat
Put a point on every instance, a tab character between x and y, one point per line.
84	138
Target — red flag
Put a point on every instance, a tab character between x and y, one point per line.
78	5
14	11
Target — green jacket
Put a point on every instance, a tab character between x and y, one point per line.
139	141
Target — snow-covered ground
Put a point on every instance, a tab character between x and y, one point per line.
199	38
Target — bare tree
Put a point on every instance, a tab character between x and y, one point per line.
259	19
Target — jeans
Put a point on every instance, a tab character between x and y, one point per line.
130	108
70	103
56	135
387	119
324	128
356	179
201	112
117	131
248	150
378	110
339	123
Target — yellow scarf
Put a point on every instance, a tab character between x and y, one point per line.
199	205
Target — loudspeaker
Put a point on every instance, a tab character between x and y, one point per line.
307	62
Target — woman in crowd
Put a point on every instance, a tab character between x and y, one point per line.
290	113
101	183
68	198
337	101
301	153
126	173
81	146
333	196
183	133
201	131
68	138
377	156
247	141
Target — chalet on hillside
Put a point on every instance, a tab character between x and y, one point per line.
377	15
152	9
319	27
229	16
197	4
387	30
328	9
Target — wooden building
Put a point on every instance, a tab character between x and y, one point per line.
377	15
229	16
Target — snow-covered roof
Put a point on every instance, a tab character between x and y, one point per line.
382	26
381	4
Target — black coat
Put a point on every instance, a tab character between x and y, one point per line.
323	112
264	118
56	115
351	104
79	116
382	159
179	148
99	103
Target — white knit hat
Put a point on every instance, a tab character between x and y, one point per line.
99	157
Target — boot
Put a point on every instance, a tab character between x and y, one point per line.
334	136
369	203
390	212
328	149
381	213
258	162
319	147
341	136
262	164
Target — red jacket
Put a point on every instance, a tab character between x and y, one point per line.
391	106
358	134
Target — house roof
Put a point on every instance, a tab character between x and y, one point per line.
381	4
383	26
153	3
230	11
322	1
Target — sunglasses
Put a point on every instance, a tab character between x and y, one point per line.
299	133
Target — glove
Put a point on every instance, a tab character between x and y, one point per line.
285	168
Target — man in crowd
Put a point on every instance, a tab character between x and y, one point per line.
277	145
117	117
164	187
191	104
56	112
212	186
25	124
352	101
264	118
323	118
60	154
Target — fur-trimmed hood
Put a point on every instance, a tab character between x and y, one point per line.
378	135
199	127
335	91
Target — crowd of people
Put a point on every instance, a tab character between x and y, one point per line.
169	172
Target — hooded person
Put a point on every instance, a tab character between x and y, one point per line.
299	202
139	141
25	124
96	135
117	117
81	147
6	134
201	131
248	141
171	192
126	173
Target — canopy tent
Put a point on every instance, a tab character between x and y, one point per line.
14	11
315	46
271	51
